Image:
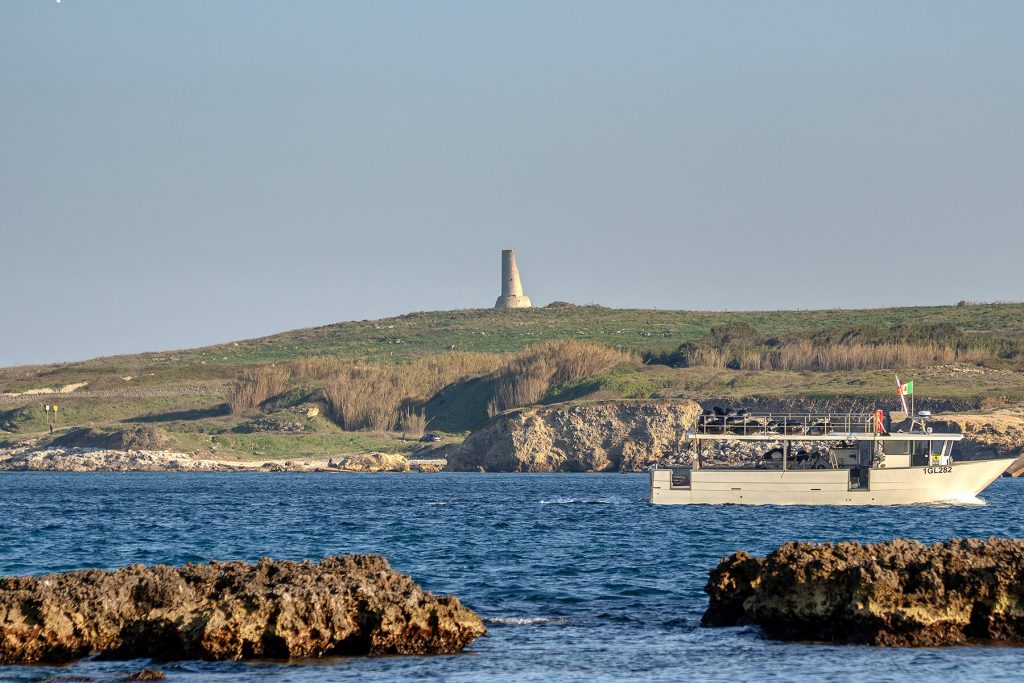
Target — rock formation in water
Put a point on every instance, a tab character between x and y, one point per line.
355	605
604	436
897	593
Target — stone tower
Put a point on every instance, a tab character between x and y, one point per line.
511	288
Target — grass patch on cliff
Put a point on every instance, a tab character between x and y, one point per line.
635	384
961	382
625	381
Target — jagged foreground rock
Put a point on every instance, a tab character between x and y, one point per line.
900	593
355	605
605	436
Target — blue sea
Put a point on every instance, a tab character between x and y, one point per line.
576	575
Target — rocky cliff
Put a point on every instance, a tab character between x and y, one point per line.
900	593
988	434
604	436
355	605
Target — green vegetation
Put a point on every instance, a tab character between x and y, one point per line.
295	394
498	331
290	446
739	346
210	430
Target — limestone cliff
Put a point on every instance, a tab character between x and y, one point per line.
988	434
897	593
604	436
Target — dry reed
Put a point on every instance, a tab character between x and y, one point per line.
803	355
521	382
854	356
528	375
707	357
255	387
412	422
372	396
754	360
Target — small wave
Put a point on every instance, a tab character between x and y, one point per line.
585	501
965	500
526	621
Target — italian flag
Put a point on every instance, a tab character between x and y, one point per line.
907	389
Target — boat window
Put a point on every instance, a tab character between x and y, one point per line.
896	447
920	447
938	451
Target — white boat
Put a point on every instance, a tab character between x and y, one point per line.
823	459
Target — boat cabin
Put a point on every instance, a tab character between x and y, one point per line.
858	442
872	458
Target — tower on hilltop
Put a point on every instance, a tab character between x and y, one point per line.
511	287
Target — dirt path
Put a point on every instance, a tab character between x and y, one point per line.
19	399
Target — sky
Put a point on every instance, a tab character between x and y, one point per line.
177	173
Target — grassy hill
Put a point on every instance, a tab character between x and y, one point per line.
969	352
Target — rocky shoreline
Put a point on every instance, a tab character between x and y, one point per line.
78	459
896	593
353	605
598	436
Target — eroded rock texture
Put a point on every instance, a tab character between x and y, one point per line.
604	436
900	593
355	605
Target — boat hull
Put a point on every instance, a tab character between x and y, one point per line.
960	482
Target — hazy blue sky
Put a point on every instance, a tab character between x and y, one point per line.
181	173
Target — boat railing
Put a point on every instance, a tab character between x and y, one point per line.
784	424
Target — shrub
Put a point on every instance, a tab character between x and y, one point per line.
723	335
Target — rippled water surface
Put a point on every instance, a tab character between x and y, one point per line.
577	576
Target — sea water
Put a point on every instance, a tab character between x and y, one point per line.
576	575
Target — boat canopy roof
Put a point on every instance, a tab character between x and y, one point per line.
746	426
